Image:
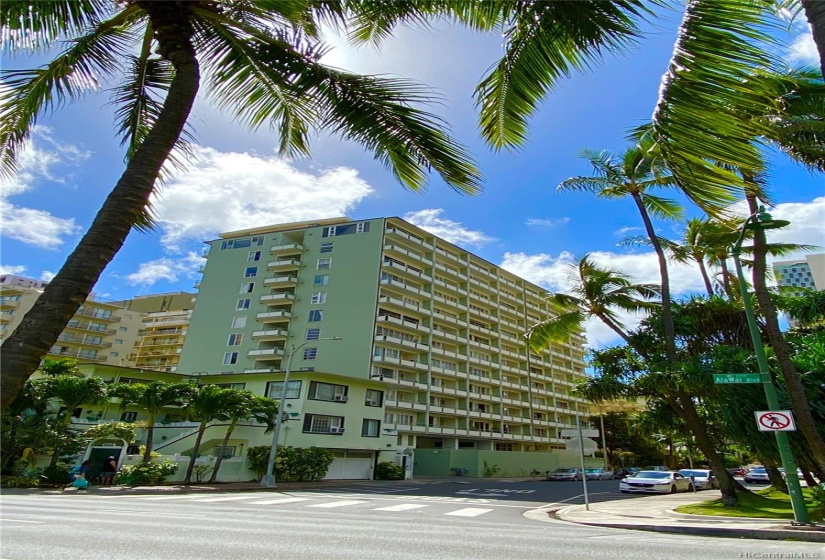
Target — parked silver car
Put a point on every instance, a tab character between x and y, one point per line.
598	474
662	482
757	475
702	479
565	474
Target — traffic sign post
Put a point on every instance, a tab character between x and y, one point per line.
724	378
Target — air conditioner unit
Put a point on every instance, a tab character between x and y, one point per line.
336	430
373	403
340	398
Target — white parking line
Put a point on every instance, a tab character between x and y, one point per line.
279	501
468	512
338	504
401	507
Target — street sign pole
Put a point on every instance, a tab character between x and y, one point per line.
581	456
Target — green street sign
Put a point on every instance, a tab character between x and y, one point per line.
737	378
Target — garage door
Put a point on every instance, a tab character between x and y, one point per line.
350	465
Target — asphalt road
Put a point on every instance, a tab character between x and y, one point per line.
434	521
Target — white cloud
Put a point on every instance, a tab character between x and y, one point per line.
547	222
807	225
802	49
16	270
168	269
231	191
35	227
47	275
431	220
43	159
624	231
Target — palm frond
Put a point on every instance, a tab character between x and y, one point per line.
585	184
557	329
697	122
662	208
543	42
37	25
374	20
28	93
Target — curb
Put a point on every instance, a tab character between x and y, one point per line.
760	534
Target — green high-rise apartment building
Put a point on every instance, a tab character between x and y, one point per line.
433	352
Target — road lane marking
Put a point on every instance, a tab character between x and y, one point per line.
401	507
468	512
22	521
279	501
224	499
338	504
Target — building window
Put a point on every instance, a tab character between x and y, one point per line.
253	256
230	358
234	340
310	353
323	264
114	354
370	428
250	272
321	280
128	417
118	341
238	322
123	329
313	334
318	424
243	304
86	353
316	315
239	386
327	392
374	398
326	247
318	298
247	287
275	389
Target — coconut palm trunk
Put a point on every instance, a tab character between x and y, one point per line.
793	384
194	455
667	312
150	437
226	437
703	270
815	13
124	207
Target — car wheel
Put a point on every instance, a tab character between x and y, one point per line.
624	491
673	489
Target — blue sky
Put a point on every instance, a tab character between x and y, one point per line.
519	222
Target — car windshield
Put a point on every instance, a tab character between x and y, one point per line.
652	474
564	470
759	470
592	470
687	472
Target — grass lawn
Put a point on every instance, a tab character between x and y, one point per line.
764	503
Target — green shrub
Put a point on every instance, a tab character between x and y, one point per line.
491	471
257	457
145	473
57	474
292	464
201	471
20	481
387	470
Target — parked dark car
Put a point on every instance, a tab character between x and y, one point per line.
624	471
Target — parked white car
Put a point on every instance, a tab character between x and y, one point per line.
703	479
660	482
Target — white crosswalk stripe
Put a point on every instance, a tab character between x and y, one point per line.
224	499
278	501
468	512
338	504
401	507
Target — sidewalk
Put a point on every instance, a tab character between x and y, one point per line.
655	513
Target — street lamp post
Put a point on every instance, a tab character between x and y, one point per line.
268	480
763	220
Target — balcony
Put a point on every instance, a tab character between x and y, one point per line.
397	267
482	271
402	342
400	303
450	271
269	335
399	251
284	265
278	299
6	304
450	256
391	232
281	282
266	354
455	288
401	285
286	249
273	316
97	316
401	321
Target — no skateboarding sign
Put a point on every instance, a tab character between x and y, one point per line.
775	421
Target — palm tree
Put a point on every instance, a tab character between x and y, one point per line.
152	397
633	174
260	61
241	406
595	292
72	391
208	403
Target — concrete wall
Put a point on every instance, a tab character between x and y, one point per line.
439	462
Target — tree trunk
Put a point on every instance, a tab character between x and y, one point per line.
703	270
793	383
815	13
723	264
150	438
667	314
727	484
774	475
226	437
194	456
124	207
